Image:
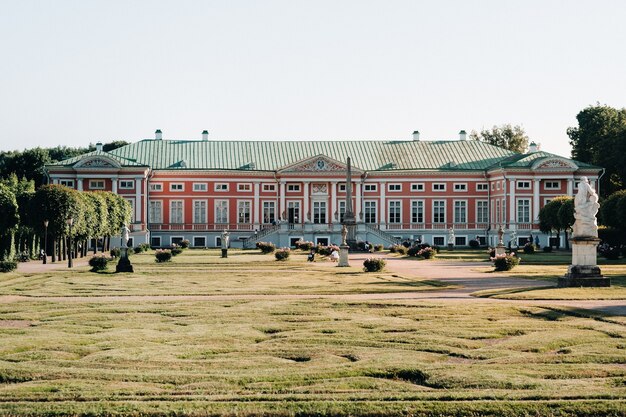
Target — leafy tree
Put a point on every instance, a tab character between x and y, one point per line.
609	211
600	139
551	218
107	147
8	222
506	136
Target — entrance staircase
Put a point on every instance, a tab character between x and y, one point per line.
382	235
251	242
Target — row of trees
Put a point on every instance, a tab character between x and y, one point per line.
63	217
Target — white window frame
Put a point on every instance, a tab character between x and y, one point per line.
270	206
221	187
176	237
215	212
152	241
548	185
193	241
182	211
444	211
397	205
317	210
370	188
244	186
394	187
201	187
498	186
131	201
373	205
268	187
485	205
443	240
460	237
439	187
67	183
92	184
415	204
482	186
156	186
460	187
126	184
528	206
464	207
239	203
522	185
417	186
151	217
293	188
195	219
174	186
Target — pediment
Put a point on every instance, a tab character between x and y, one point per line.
554	164
318	164
97	162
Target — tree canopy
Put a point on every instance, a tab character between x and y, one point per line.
600	139
506	136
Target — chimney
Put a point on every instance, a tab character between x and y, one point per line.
416	135
158	135
205	135
99	146
532	148
462	135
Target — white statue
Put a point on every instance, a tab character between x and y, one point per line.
125	236
225	239
585	209
450	236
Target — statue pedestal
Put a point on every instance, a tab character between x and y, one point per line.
124	264
584	271
500	250
343	255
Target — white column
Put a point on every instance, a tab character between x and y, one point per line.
512	218
282	200
256	210
79	184
383	204
357	207
333	200
138	204
114	184
570	186
536	200
306	201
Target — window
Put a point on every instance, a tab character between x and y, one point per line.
370	187
221	186
460	187
417	211
438	240
127	184
439	211
176	240
293	211
342	187
200	186
67	183
553	185
199	211
523	210
269	187
221	211
269	211
460	211
439	186
498	185
177	186
96	184
319	212
418	186
394	214
482	212
460	241
497	211
394	187
342	210
482	186
243	211
370	211
199	241
156	186
523	185
155	215
176	211
492	186
294	188
244	187
155	241
503	207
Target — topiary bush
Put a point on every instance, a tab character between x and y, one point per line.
529	248
474	244
98	263
282	254
266	247
304	245
379	247
184	244
413	251
374	264
176	250
115	252
427	253
505	262
163	255
401	249
8	266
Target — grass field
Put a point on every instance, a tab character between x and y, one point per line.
293	357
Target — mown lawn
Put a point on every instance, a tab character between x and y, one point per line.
160	356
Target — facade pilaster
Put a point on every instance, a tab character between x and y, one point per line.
79	184
282	207
306	197
256	206
357	207
114	185
383	205
333	202
536	201
512	218
570	186
138	203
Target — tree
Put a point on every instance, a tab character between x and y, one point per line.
506	136
600	139
8	222
551	218
609	210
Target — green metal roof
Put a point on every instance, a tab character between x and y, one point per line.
528	159
125	162
457	155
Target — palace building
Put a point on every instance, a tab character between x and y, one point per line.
283	191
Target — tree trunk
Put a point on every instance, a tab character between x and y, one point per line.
63	249
54	250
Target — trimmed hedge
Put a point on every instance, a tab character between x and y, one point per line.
506	262
8	266
163	255
282	254
98	263
266	247
373	264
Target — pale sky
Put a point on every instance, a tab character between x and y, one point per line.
75	72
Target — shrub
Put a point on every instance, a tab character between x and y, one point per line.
373	264
427	253
611	253
176	250
282	254
360	245
138	249
304	245
529	248
379	247
327	250
474	244
98	263
266	247
505	262
184	244
145	247
8	266
401	249
115	252
163	255
547	249
492	252
414	250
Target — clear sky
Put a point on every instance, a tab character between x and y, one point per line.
75	72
